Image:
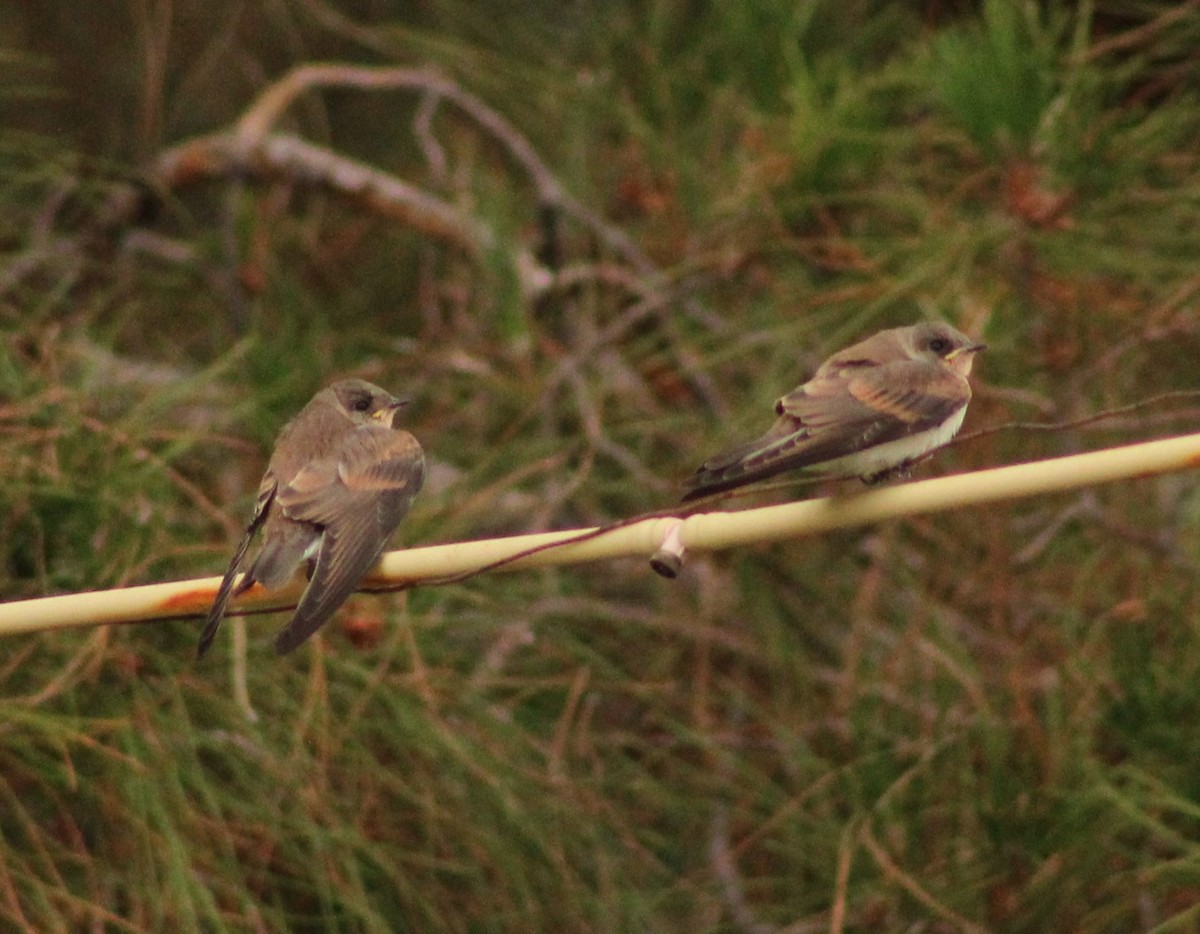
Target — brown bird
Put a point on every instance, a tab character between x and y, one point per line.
870	411
341	479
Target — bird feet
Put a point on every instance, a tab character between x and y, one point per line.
901	471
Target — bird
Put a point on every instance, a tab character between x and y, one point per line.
870	411
341	478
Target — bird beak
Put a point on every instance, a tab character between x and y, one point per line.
386	413
965	349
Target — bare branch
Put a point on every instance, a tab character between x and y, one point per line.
282	156
434	564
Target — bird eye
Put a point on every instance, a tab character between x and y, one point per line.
939	345
362	403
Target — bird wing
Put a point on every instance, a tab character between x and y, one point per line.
357	496
861	407
845	410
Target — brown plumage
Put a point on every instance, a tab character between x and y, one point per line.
339	482
869	410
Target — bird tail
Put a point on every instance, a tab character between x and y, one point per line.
226	592
764	457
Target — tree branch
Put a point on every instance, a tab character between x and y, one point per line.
697	532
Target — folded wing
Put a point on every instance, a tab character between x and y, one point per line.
835	415
358	497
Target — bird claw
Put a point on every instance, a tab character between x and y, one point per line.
901	471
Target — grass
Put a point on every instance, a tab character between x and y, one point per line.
982	719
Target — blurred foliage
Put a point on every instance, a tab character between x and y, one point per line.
976	719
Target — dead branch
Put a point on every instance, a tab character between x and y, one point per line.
285	157
690	530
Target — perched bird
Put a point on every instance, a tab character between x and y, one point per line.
869	411
341	479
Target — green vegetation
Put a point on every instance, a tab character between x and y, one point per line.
980	721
